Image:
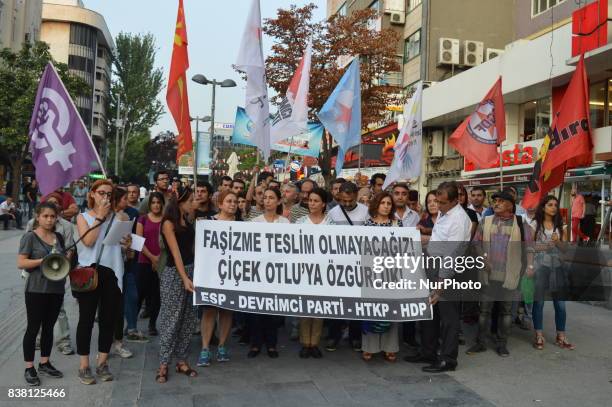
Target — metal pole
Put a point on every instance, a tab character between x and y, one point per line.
117	121
360	153
195	154
212	116
501	169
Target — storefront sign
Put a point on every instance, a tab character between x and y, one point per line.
519	154
320	271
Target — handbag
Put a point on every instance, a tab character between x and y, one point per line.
85	279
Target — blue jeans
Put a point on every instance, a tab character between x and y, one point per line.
560	315
130	296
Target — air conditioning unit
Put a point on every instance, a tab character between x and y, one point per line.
436	146
492	53
473	53
398	18
448	51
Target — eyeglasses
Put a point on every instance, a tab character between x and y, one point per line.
103	194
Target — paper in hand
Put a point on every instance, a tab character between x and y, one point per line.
119	230
137	242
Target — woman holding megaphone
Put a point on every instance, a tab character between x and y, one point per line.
43	297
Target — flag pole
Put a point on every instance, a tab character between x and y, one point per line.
195	154
501	168
288	157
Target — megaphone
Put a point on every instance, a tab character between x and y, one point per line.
55	267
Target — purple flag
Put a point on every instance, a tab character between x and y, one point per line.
61	148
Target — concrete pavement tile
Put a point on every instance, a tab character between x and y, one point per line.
234	398
303	393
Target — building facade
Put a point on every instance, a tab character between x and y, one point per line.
81	39
19	22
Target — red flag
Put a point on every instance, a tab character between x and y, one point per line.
568	144
479	135
176	96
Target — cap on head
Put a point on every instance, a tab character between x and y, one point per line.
505	195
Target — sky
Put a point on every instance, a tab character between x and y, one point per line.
214	31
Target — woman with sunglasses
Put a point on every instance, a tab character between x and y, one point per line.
177	316
92	226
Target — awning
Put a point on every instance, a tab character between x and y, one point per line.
598	171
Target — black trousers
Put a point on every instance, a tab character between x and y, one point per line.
42	311
263	329
108	295
442	330
335	329
147	281
6	218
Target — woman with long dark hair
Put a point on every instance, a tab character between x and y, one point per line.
149	227
227	202
43	297
550	235
177	315
430	215
379	336
264	328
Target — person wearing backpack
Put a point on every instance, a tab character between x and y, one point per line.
43	297
381	336
504	240
147	280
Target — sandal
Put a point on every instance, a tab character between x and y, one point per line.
390	356
184	368
562	342
162	374
539	342
366	356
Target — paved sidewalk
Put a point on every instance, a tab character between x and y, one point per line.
551	377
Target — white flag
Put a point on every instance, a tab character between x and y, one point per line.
292	116
251	61
409	144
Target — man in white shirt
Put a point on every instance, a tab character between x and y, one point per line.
448	238
408	217
8	211
349	211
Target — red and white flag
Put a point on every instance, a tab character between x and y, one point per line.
292	116
567	145
479	135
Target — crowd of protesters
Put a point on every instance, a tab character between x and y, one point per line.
157	282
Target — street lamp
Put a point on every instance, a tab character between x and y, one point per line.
202	80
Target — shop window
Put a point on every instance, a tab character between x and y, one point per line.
597	103
536	119
412	46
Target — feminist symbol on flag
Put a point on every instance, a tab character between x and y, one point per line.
482	123
52	123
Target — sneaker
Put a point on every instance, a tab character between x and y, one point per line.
153	331
315	352
204	359
136	336
144	314
31	377
502	351
304	352
86	377
48	369
356	344
103	373
222	354
65	349
121	351
476	348
331	346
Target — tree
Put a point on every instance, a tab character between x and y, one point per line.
138	83
19	77
333	40
160	152
135	165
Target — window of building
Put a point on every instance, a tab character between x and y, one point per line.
83	35
99	76
96	121
100	52
540	6
598	93
80	63
412	46
412	4
535	119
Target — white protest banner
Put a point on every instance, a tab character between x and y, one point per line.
319	271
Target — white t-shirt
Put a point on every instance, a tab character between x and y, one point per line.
261	219
358	215
305	220
5	207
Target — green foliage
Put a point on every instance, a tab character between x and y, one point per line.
138	82
135	166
